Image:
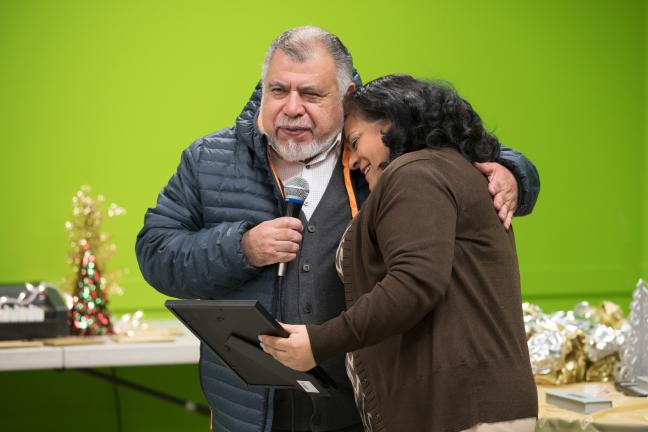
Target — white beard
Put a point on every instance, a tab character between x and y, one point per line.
292	151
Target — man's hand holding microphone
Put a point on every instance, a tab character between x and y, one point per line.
277	240
273	241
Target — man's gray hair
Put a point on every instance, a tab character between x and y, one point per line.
298	44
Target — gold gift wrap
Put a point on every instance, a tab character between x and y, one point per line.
610	314
602	370
578	345
571	366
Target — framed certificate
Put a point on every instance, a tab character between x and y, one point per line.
231	329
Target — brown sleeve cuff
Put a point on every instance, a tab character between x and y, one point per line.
331	339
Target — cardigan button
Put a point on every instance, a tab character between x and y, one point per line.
306	267
311	228
378	417
365	382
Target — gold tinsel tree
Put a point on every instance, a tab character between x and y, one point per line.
90	251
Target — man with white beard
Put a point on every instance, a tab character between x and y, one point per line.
217	230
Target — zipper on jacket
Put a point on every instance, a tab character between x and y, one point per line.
279	281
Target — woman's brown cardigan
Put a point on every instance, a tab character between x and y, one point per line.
433	289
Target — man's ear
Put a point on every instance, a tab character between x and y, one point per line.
260	122
350	89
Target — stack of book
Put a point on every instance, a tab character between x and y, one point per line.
579	402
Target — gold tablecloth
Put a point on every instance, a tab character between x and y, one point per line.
628	414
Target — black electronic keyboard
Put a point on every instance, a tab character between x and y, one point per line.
32	312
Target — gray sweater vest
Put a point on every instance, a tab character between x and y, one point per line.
312	293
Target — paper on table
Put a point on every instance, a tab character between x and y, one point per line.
20	344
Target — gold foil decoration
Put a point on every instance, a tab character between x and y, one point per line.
532	315
573	346
602	370
84	230
572	364
610	314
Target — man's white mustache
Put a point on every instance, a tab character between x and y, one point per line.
287	123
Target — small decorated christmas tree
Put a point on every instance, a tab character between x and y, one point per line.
89	315
89	252
634	357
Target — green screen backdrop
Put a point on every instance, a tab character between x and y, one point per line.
108	93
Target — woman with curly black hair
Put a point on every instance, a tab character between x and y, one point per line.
433	328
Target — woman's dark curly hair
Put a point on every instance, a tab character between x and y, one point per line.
422	115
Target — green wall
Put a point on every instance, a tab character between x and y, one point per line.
108	93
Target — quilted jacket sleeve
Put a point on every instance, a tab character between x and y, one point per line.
177	255
527	178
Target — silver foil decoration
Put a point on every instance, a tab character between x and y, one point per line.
563	345
603	341
545	350
634	356
533	316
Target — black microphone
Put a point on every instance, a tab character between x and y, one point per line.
295	191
